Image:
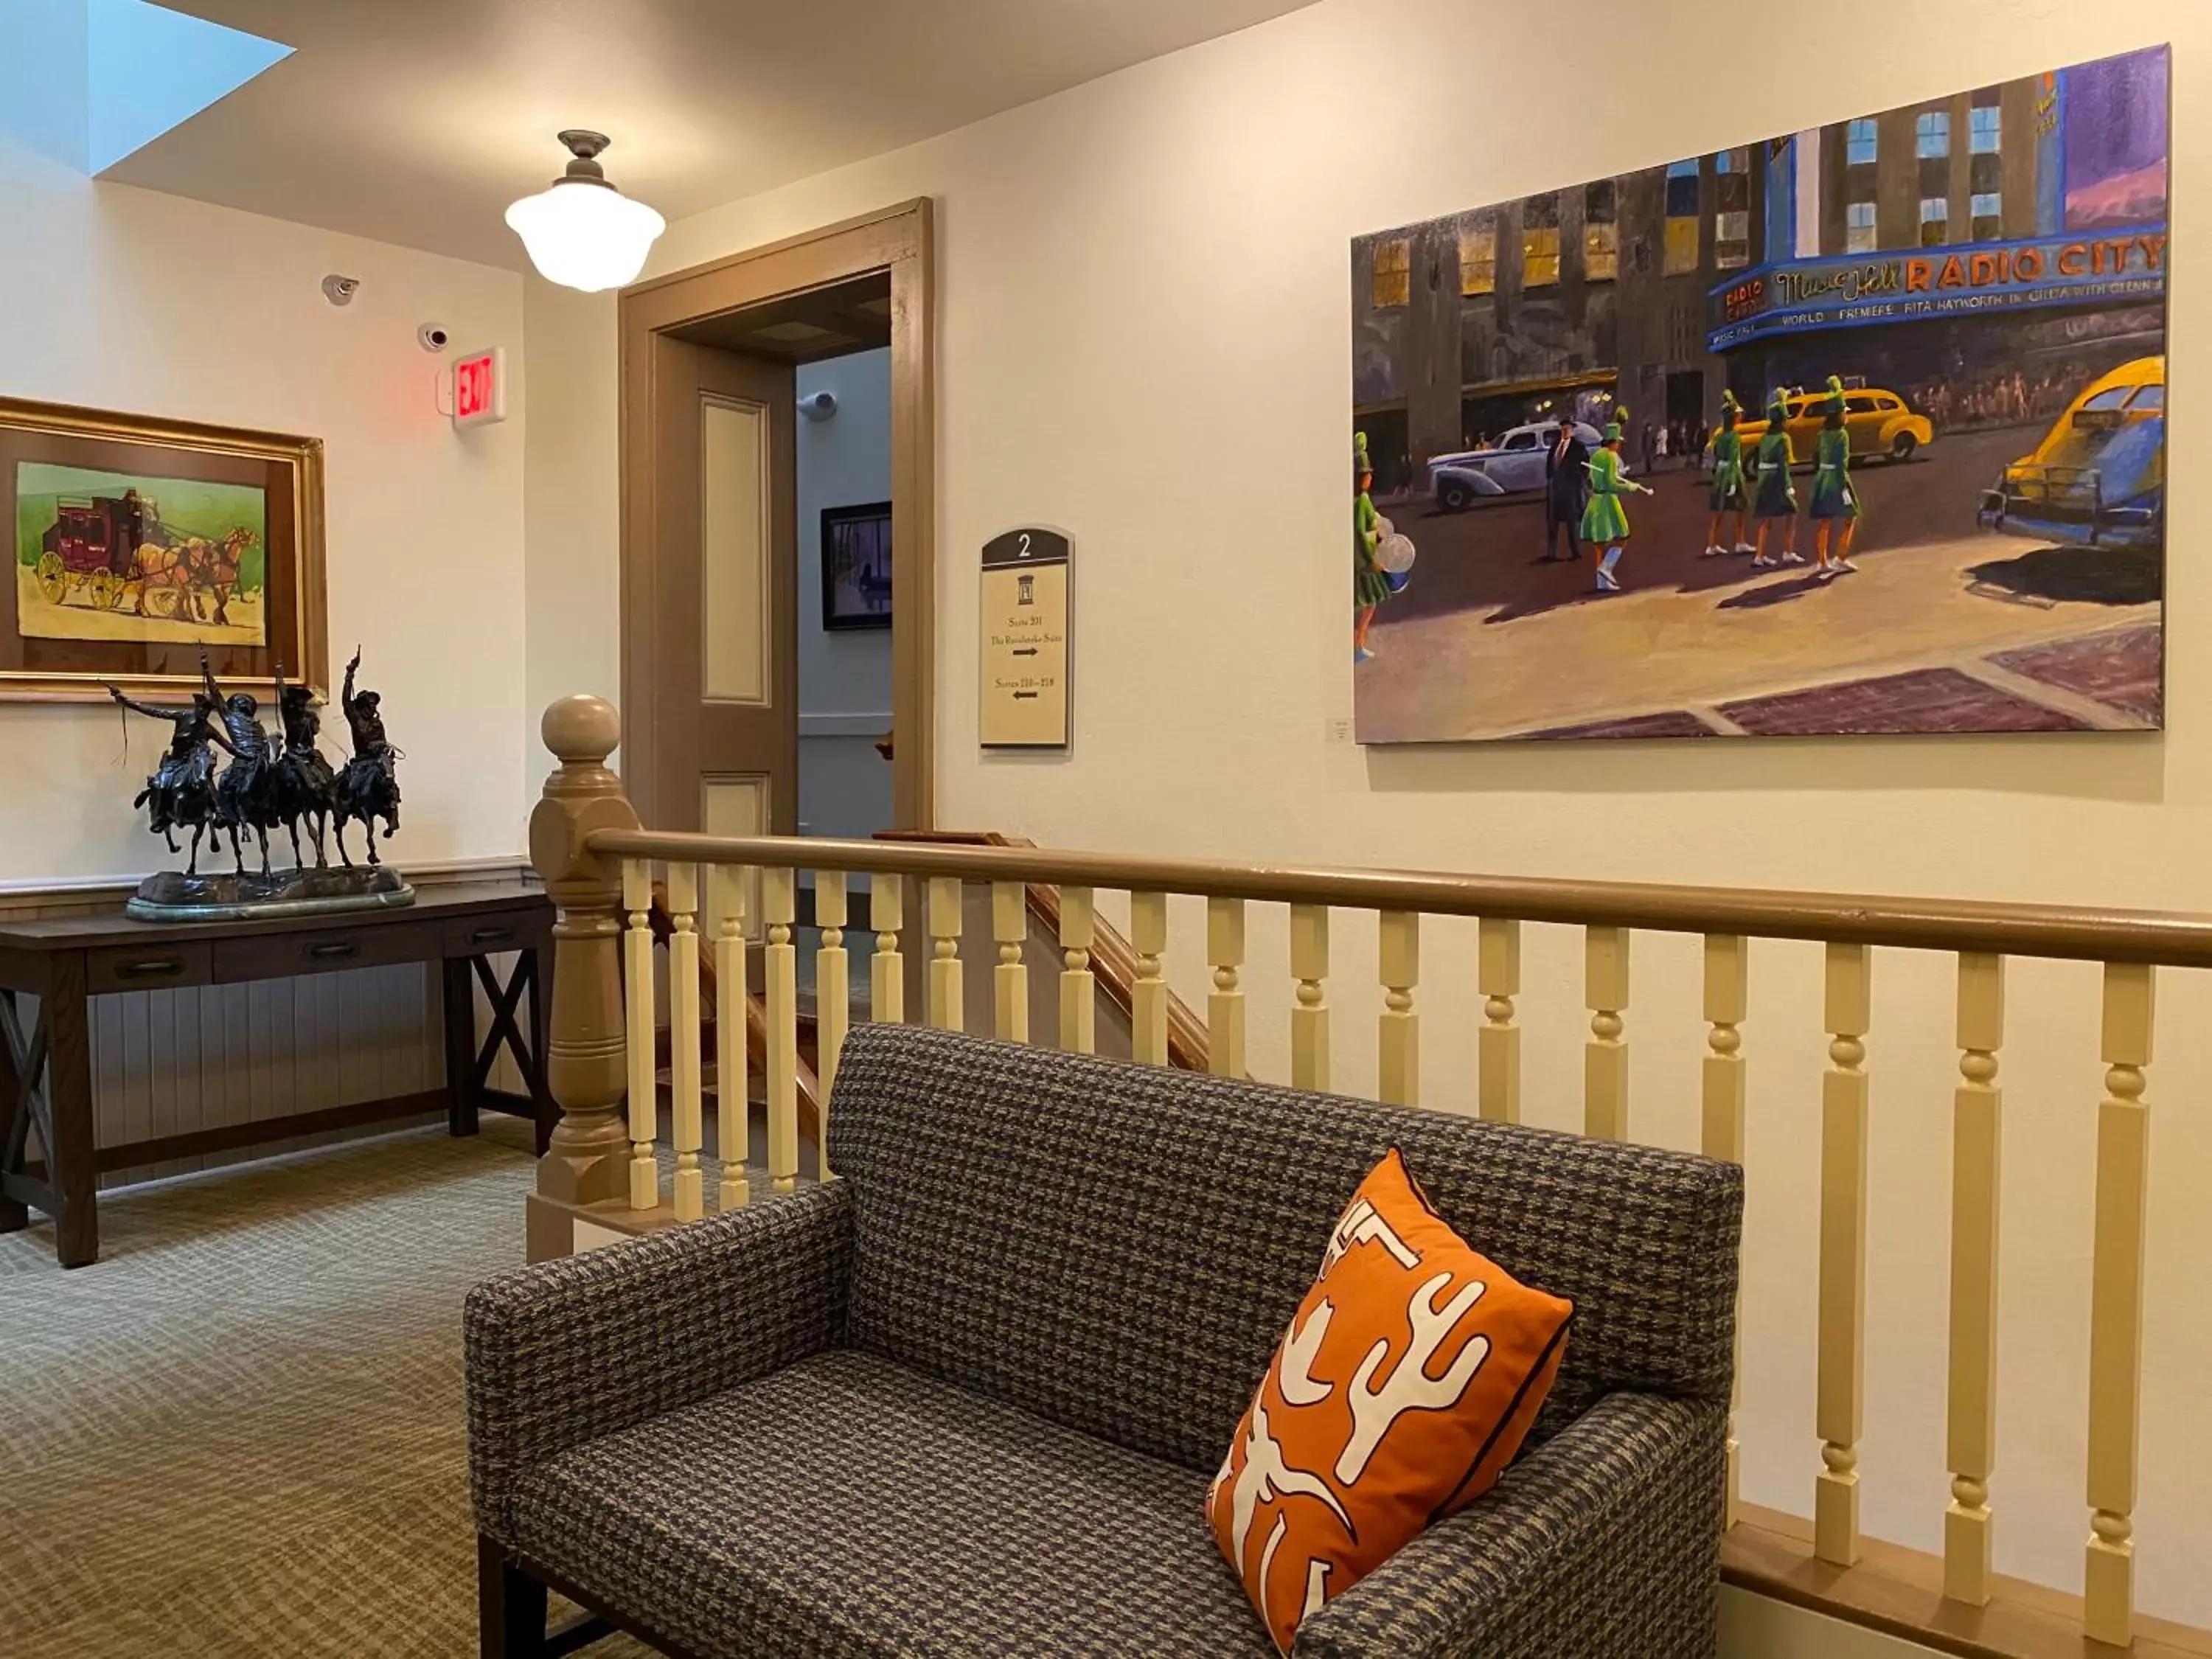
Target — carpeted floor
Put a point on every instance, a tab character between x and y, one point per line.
240	1432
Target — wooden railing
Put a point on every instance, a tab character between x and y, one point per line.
597	863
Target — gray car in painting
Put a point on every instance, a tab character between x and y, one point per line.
1513	466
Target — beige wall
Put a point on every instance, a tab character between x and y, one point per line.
126	298
572	519
1144	339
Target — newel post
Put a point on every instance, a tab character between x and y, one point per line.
586	1062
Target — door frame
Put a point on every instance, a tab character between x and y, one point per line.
897	238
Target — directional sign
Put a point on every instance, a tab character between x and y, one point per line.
1026	588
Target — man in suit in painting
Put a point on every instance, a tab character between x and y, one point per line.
1567	491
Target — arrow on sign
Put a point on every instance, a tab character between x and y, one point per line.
1025	651
1019	696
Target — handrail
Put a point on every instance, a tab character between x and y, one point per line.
2033	930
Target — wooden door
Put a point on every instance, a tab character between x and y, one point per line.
725	754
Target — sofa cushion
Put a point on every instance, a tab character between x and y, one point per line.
848	1506
1403	1389
1117	1246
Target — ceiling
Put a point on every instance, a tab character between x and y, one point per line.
417	121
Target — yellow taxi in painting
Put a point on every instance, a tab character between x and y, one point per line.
1879	423
2098	476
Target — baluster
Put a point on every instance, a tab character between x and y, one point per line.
887	968
1310	1018
1010	980
1078	990
1148	992
1843	1255
2116	1304
833	1000
733	1125
1727	966
947	997
780	911
644	1078
1971	1433
1498	1049
1398	1028
690	1195
1224	1007
1605	1056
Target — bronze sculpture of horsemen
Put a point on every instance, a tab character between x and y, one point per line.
180	794
246	794
305	787
368	784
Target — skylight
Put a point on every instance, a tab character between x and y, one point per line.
107	77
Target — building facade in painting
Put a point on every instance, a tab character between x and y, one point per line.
1660	287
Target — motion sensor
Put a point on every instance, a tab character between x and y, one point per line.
339	290
434	337
820	406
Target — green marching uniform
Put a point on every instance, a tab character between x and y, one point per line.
1368	584
1777	497
1727	462
1832	494
1605	521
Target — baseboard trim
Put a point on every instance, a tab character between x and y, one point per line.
1899	1592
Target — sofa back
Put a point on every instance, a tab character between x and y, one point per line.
1118	1248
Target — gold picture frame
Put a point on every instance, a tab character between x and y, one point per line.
109	589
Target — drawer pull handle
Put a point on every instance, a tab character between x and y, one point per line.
334	949
491	935
152	968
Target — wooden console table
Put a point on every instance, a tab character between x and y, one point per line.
46	1070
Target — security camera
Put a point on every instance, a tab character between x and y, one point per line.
339	290
433	336
818	406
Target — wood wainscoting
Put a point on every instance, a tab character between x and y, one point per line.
360	1048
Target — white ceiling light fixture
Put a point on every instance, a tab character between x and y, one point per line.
583	232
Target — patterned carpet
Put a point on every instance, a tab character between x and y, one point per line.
240	1433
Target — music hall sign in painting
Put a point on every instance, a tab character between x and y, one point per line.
1855	429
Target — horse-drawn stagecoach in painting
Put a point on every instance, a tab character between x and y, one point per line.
113	552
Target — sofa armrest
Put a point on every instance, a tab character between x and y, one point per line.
1604	1543
572	1350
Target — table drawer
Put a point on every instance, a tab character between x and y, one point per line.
479	936
325	950
148	967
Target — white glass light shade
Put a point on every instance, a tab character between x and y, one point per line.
586	236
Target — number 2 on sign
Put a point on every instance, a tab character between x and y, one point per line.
1025	544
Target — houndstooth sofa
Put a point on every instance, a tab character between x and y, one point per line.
965	1400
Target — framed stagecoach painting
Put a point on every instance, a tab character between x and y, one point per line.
1855	429
140	542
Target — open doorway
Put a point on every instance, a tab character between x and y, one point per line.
778	570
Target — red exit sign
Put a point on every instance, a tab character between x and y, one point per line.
480	387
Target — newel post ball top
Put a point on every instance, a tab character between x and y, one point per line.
581	794
580	730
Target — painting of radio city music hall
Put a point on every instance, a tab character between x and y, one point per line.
1855	429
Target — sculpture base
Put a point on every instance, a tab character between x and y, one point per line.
173	897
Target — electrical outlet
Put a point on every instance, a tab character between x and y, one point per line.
1337	729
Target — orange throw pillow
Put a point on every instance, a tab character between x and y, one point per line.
1401	1390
